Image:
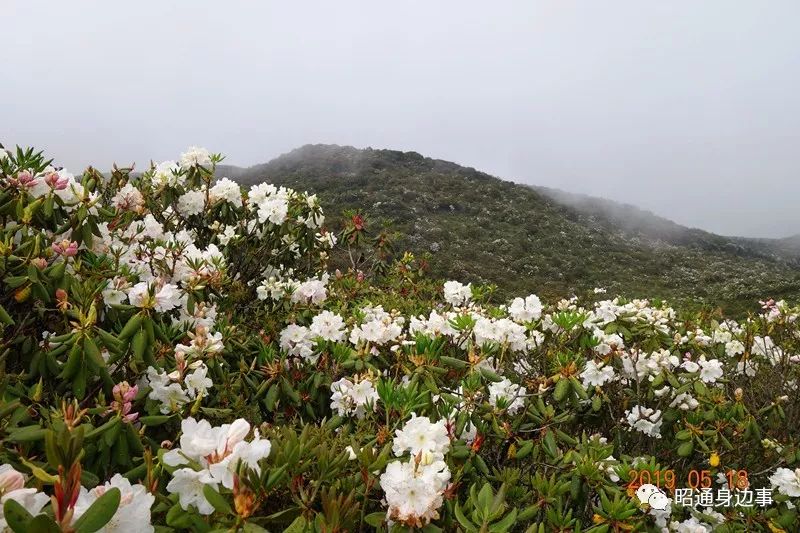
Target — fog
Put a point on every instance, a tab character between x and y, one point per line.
687	109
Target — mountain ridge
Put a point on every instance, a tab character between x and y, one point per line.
527	237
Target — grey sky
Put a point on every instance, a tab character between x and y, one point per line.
689	109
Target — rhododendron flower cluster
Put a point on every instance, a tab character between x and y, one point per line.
507	395
456	293
215	453
414	488
349	398
645	420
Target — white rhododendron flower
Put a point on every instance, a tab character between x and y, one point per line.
641	365
173	391
413	489
217	451
191	203
691	525
349	398
734	348
195	156
310	291
765	347
684	401
128	199
379	327
226	189
597	375
228	234
133	513
500	331
457	294
167	174
508	395
162	299
329	326
526	310
644	420
197	384
419	434
298	341
711	370
787	481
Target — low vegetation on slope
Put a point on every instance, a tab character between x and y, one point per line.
482	229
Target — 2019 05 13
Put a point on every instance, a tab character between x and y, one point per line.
695	479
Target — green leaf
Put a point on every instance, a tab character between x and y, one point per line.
490	375
275	476
485	498
453	362
298	526
73	363
480	464
506	523
462	519
686	449
549	444
178	518
15	281
250	527
93	353
216	500
5	318
39	473
99	513
289	391
139	344
42	524
154	420
27	434
131	327
79	382
56	271
272	396
16	516
375	519
562	388
96	432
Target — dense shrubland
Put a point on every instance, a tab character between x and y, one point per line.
180	354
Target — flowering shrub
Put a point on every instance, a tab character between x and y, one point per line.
178	353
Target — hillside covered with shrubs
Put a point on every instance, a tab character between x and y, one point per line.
182	353
530	239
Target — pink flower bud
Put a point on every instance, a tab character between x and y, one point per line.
10	480
131	393
55	181
66	248
26	179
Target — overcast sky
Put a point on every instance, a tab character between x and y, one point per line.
689	109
